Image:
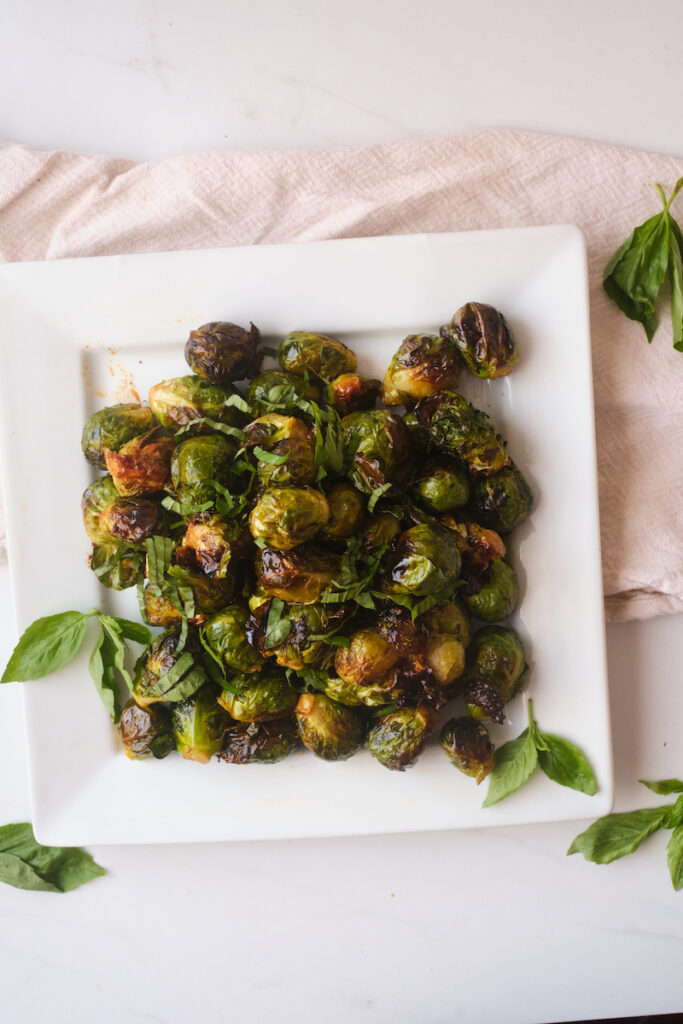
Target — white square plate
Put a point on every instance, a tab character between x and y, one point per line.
79	334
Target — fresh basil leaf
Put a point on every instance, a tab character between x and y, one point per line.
133	631
47	645
118	646
376	495
184	510
277	627
222	428
513	765
565	763
313	678
101	667
181	681
636	272
238	402
676	282
674	816
674	857
664	787
617	835
274	460
26	864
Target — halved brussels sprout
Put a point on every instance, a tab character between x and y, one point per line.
146	731
398	739
423	365
112	427
484	340
497	655
502	500
445	656
225	634
331	730
95	500
384	452
279	391
133	520
498	596
223	352
442	487
381	527
265	696
353	393
161	674
216	542
468	746
459	429
483	700
424	560
299	576
368	660
301	351
347	508
180	401
199	725
285	517
141	466
452	618
115	565
198	460
260	742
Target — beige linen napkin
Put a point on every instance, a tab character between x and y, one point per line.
54	205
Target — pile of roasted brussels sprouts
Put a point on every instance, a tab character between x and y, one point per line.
314	560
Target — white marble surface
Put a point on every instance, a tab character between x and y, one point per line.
494	926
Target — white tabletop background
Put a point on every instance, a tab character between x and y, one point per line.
491	926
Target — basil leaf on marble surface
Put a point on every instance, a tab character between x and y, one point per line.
26	864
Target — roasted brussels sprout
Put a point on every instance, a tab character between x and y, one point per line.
298	649
502	500
347	508
384	452
498	596
367	660
483	700
299	576
196	462
331	730
468	746
182	400
95	500
141	466
260	742
115	565
422	439
283	449
216	542
484	340
112	427
423	365
199	725
146	731
353	393
225	635
133	520
424	560
285	517
459	429
273	427
497	655
442	486
301	351
163	675
282	392
398	739
209	595
452	618
381	528
262	697
445	656
223	352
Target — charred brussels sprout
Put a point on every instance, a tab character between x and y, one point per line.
223	352
181	401
208	594
347	507
225	635
353	393
459	429
115	565
112	427
196	462
424	560
381	528
484	340
498	596
423	365
398	739
301	351
483	700
367	660
216	542
285	517
143	465
299	649
268	695
384	452
260	742
468	746
133	520
161	674
283	450
96	498
452	618
497	655
282	392
199	725
146	732
331	730
503	500
299	576
442	487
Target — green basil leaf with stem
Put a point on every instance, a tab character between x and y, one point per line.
101	667
119	647
513	765
26	864
664	786
674	857
676	282
617	835
45	646
564	763
636	272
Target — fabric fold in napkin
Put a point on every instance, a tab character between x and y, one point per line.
56	205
